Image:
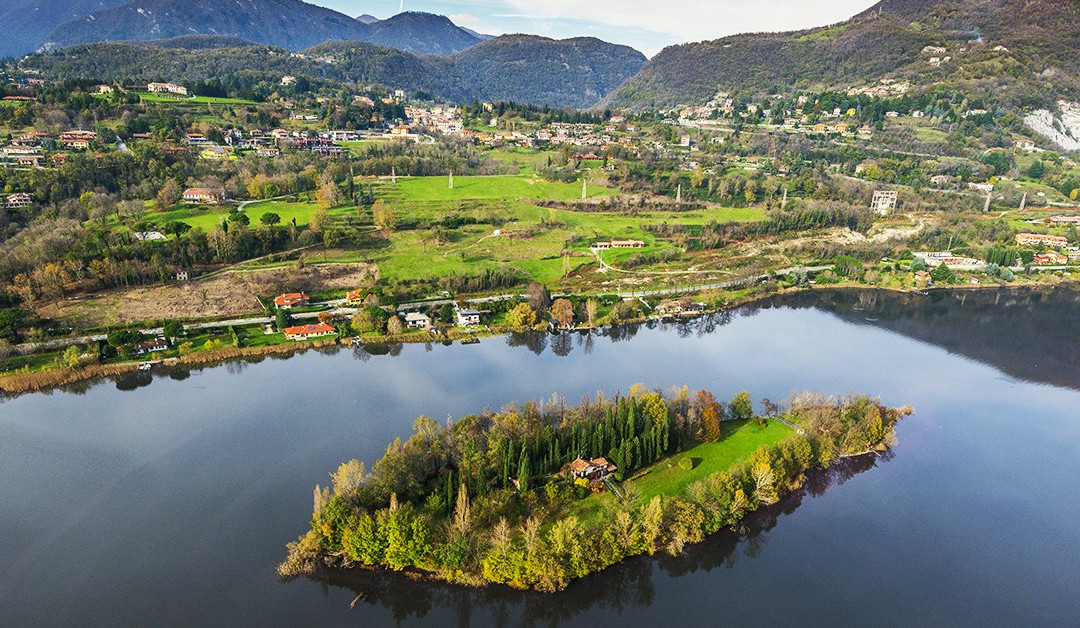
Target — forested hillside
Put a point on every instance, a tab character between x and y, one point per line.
576	72
1016	52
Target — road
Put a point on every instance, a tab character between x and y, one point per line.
53	345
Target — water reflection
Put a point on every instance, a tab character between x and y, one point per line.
1018	331
1027	334
621	589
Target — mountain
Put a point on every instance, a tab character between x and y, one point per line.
527	68
422	33
1016	52
290	24
28	22
536	70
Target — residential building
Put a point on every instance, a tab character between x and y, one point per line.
18	201
306	332
620	244
207	196
290	300
884	201
596	469
467	318
167	88
1051	258
1034	239
416	320
152	346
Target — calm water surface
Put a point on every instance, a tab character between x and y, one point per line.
167	500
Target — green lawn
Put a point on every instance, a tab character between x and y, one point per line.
496	187
740	439
198	100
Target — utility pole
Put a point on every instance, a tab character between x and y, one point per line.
451	179
393	175
584	187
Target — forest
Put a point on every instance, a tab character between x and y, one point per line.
489	498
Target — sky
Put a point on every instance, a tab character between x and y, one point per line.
648	25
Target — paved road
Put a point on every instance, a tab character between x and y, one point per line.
62	343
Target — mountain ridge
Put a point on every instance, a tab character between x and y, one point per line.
528	69
974	45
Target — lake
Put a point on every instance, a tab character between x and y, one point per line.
168	499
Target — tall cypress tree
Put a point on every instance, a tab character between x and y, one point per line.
523	468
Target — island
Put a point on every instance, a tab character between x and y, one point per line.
539	494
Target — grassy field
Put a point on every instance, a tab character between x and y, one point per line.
496	187
197	100
740	439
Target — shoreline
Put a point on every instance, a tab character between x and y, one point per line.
18	384
329	567
348	532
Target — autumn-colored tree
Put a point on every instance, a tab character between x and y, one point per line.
384	216
591	307
169	195
394	326
538	298
522	315
330	196
348	478
563	312
709	416
70	359
462	518
320	222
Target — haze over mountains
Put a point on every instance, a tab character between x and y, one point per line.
291	24
1015	52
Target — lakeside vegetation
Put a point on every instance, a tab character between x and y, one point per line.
539	494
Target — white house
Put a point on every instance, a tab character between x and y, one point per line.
416	320
467	318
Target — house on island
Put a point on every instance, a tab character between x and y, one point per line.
307	332
290	300
156	345
467	318
594	470
416	320
206	196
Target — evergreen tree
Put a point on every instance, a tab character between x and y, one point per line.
523	468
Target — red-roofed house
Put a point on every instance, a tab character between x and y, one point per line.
596	469
290	300
210	196
305	332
